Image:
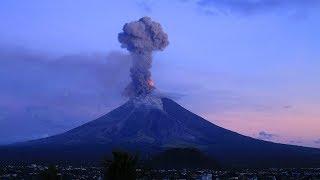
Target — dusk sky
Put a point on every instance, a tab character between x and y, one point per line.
251	66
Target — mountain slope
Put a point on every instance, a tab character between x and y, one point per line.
151	125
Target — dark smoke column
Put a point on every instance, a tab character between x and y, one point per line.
141	38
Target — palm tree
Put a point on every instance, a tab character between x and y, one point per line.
122	167
50	174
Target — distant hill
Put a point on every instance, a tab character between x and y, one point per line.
150	125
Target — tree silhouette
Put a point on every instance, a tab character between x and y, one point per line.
122	167
50	174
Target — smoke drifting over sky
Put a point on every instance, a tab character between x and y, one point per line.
141	38
42	94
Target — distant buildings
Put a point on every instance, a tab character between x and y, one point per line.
70	172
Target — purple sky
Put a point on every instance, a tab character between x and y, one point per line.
249	66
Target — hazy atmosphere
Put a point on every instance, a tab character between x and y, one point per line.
248	66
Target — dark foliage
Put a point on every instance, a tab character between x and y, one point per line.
50	174
179	158
122	167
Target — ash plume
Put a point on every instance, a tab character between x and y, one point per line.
141	38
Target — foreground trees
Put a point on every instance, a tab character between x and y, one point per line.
50	174
122	167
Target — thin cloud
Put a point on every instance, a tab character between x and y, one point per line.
295	142
249	7
266	136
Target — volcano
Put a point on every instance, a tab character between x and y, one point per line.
153	124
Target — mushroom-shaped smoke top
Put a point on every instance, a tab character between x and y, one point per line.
141	38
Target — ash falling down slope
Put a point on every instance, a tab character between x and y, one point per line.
149	123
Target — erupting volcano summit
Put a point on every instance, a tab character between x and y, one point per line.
141	38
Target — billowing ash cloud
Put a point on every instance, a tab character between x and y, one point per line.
141	38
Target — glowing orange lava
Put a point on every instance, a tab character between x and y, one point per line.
150	83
